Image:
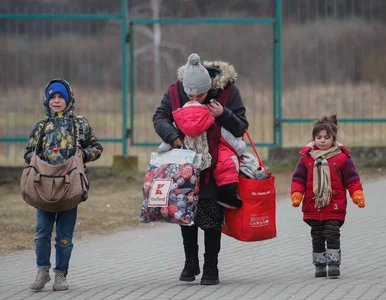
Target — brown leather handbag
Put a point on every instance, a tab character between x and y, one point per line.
55	188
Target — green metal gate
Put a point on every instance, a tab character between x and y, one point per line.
147	90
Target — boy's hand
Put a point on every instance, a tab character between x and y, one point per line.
296	197
359	198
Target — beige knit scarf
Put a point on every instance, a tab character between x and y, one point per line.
322	178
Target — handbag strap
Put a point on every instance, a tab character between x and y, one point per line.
253	147
76	133
40	141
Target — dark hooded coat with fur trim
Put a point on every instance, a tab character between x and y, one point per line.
233	119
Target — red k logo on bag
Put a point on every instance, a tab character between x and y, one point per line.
159	192
158	189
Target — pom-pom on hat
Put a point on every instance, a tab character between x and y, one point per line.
196	79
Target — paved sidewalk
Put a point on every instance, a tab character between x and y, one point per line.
146	263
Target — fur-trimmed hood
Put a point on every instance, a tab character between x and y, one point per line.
225	74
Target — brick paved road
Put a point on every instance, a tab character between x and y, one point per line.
145	263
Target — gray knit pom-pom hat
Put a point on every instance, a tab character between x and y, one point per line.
196	79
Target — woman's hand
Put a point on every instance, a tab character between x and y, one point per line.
215	108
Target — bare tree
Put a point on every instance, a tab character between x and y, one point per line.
155	6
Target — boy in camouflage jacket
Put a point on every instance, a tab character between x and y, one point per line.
58	131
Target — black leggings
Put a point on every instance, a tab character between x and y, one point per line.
325	231
212	238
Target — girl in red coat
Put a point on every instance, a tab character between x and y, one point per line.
323	174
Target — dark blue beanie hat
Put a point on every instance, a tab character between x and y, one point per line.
57	88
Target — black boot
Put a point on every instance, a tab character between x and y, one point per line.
196	262
210	273
333	257
192	266
212	248
319	260
228	197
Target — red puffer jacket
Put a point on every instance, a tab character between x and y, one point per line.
344	176
194	121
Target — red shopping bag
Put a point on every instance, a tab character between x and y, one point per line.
256	219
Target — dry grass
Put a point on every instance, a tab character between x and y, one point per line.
114	205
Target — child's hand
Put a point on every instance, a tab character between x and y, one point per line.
359	198
296	197
177	143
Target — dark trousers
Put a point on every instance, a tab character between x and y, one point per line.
212	239
325	233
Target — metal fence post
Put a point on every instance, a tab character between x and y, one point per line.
124	76
278	73
132	82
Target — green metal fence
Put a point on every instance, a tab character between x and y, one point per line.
87	48
320	60
333	60
296	60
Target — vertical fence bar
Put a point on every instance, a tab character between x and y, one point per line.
26	69
36	43
372	85
308	102
299	84
353	68
50	37
132	87
124	76
361	71
8	84
279	72
71	39
317	71
16	116
89	62
345	57
325	58
62	50
274	81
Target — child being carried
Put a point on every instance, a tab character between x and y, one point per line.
194	119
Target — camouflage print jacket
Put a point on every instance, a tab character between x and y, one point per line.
59	132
